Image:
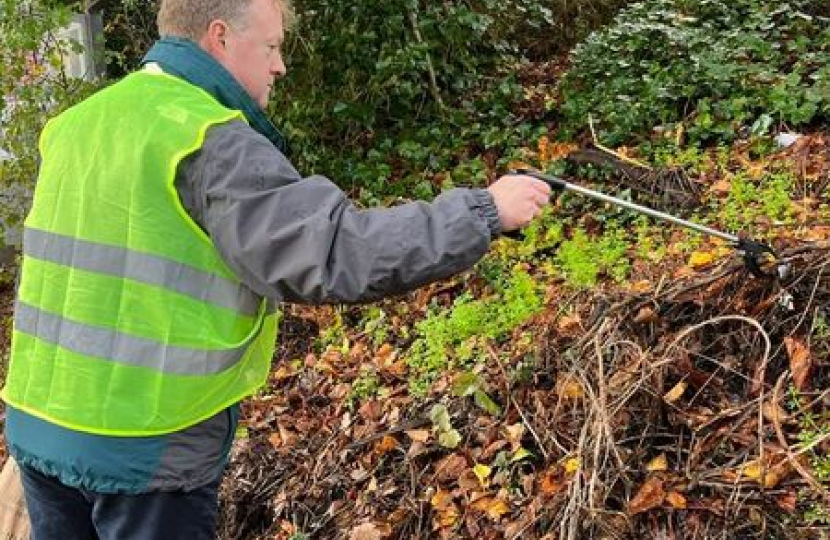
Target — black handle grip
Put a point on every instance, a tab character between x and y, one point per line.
554	182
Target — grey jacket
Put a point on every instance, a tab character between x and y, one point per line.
290	239
302	240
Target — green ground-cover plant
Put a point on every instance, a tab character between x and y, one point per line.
365	386
457	337
582	258
722	69
747	201
814	429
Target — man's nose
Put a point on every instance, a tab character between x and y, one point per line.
278	67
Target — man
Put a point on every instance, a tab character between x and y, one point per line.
166	227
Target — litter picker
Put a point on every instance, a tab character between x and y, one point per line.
754	253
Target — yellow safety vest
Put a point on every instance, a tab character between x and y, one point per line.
128	322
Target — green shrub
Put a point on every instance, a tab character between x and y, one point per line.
722	69
33	87
382	97
393	89
397	98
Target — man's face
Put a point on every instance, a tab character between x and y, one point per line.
253	52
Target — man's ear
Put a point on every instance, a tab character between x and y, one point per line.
213	40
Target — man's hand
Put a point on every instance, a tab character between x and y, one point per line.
519	199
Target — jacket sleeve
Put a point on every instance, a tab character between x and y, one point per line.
301	240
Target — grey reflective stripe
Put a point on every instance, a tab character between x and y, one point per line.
142	267
118	347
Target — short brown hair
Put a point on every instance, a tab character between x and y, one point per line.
190	18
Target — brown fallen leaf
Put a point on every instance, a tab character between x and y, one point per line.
800	360
676	500
650	495
570	324
721	186
645	315
275	439
787	501
514	434
418	435
371	410
446	510
387	444
366	531
385	355
552	481
450	468
468	481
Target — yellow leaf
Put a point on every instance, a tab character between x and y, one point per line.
442	500
482	472
700	258
515	165
542	146
561	150
660	463
723	251
751	470
641	286
675	393
492	506
754	471
569	387
572	465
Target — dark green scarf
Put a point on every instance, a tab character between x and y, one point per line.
185	59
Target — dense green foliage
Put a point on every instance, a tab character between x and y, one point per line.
721	69
404	89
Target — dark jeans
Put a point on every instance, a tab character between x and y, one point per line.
59	512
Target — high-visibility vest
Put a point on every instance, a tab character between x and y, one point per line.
128	322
